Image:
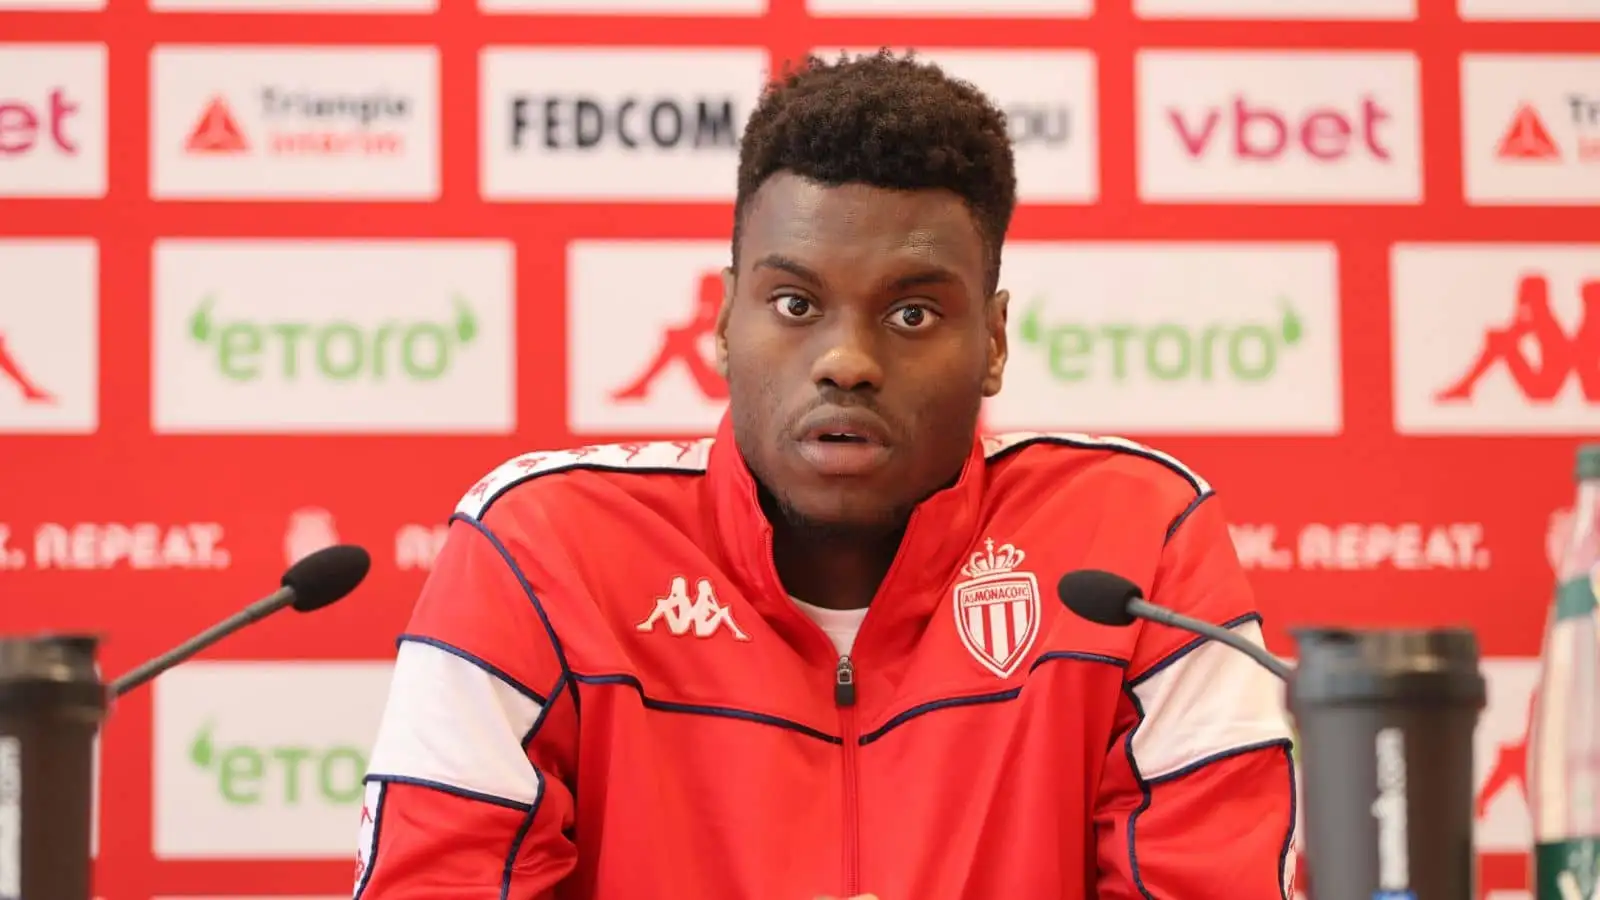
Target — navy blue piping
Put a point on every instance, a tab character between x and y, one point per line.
471	659
452	790
1227	754
1294	814
483	507
1184	516
372	858
932	705
544	713
1117	661
523	830
723	712
1144	790
1188	648
549	630
1183	473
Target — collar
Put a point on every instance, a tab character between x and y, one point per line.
938	540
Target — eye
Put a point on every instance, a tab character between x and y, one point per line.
793	306
914	317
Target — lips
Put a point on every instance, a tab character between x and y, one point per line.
844	441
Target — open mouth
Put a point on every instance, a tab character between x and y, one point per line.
841	437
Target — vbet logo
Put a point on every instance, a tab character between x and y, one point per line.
644	362
1531	129
245	768
1326	127
581	124
49	336
1276	9
289	123
1175	338
1051	102
1496	338
334	337
52	119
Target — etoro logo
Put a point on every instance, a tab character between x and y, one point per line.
1162	351
288	774
334	337
1180	338
336	350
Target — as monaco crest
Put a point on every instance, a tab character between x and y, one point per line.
997	608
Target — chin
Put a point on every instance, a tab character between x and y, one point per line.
842	510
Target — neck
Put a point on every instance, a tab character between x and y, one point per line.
834	568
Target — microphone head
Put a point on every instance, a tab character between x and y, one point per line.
326	575
1101	597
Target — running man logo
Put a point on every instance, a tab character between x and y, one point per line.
704	614
217	131
32	392
1527	140
686	344
1560	355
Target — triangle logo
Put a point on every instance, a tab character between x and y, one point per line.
1527	138
217	131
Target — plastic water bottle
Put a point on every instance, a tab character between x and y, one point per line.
1564	740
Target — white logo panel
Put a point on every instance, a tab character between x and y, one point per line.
52	5
294	123
245	768
1054	9
587	124
1171	338
1531	129
642	359
627	7
1496	338
49	336
52	120
297	6
1276	9
1531	10
1326	127
1051	104
334	337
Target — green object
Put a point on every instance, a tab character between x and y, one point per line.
1588	465
1567	870
1575	600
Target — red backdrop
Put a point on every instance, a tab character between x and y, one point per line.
1365	483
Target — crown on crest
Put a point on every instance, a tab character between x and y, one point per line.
992	560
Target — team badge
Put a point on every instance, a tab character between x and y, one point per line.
997	608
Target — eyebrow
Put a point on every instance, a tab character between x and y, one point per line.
925	276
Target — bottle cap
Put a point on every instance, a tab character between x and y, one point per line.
1588	462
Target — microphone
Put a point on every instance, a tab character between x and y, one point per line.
1107	598
1385	723
316	581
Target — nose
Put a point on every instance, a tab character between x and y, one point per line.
848	357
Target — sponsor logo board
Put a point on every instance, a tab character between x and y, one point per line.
334	337
1171	338
49	336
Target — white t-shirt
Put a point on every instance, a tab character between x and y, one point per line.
840	625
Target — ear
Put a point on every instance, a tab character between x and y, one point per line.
722	322
998	348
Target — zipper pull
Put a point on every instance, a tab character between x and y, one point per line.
844	683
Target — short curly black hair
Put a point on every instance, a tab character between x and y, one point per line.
887	121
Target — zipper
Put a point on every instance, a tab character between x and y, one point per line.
844	696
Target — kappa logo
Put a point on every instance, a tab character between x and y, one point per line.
997	608
1560	357
704	615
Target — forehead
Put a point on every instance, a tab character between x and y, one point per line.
858	225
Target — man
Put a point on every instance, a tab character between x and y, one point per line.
819	655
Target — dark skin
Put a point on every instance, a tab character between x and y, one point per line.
865	302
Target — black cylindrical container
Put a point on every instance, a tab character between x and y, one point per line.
1385	722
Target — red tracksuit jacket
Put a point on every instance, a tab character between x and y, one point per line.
605	692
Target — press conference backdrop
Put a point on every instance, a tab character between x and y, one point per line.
279	273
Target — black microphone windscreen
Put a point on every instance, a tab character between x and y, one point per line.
1101	597
326	575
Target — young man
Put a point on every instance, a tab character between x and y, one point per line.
821	655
